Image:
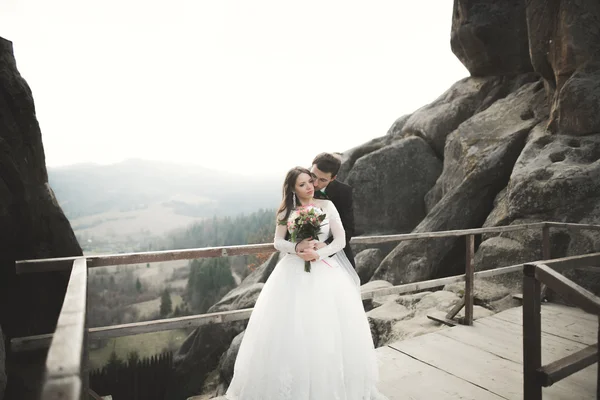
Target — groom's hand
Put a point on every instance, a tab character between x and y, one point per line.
319	245
305	244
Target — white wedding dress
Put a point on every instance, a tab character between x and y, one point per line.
308	337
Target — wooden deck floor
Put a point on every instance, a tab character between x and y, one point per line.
484	361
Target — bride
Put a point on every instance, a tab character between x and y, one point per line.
308	337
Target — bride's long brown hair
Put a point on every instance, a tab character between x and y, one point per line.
287	203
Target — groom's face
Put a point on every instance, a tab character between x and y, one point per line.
321	179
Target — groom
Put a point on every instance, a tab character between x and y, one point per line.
324	170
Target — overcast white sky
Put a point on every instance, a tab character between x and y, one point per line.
248	86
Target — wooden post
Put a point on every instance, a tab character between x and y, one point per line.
546	255
469	277
85	364
532	334
546	242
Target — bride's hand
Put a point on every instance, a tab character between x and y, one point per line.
308	255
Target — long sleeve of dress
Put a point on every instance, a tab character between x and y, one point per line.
279	242
337	230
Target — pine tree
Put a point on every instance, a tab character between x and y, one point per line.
166	306
132	358
114	361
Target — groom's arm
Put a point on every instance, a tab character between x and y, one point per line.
345	207
346	210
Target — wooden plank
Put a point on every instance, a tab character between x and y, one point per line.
573	226
469	271
443	234
561	309
416	286
402	377
505	340
500	376
565	263
29	343
568	326
476	366
568	289
456	309
57	264
560	369
169	324
442	319
54	264
64	356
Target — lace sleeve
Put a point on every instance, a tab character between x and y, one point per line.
279	242
337	230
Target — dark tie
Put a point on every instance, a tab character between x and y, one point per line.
321	195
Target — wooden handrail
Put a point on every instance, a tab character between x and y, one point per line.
570	225
93	261
568	290
535	376
560	369
564	263
65	358
42	341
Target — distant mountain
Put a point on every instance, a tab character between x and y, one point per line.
138	196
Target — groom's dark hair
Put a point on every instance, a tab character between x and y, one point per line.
328	163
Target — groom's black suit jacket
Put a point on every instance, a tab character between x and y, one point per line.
340	195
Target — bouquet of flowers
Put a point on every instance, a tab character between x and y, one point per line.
303	223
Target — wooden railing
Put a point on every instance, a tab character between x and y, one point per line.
536	376
66	373
66	364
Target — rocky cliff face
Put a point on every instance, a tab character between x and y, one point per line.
517	141
32	225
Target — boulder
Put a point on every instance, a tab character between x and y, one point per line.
227	363
490	37
239	298
554	179
199	356
467	97
484	292
382	318
367	262
478	161
565	50
390	185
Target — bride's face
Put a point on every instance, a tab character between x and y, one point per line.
304	187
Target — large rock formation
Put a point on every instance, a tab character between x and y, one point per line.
32	225
490	37
564	42
518	141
